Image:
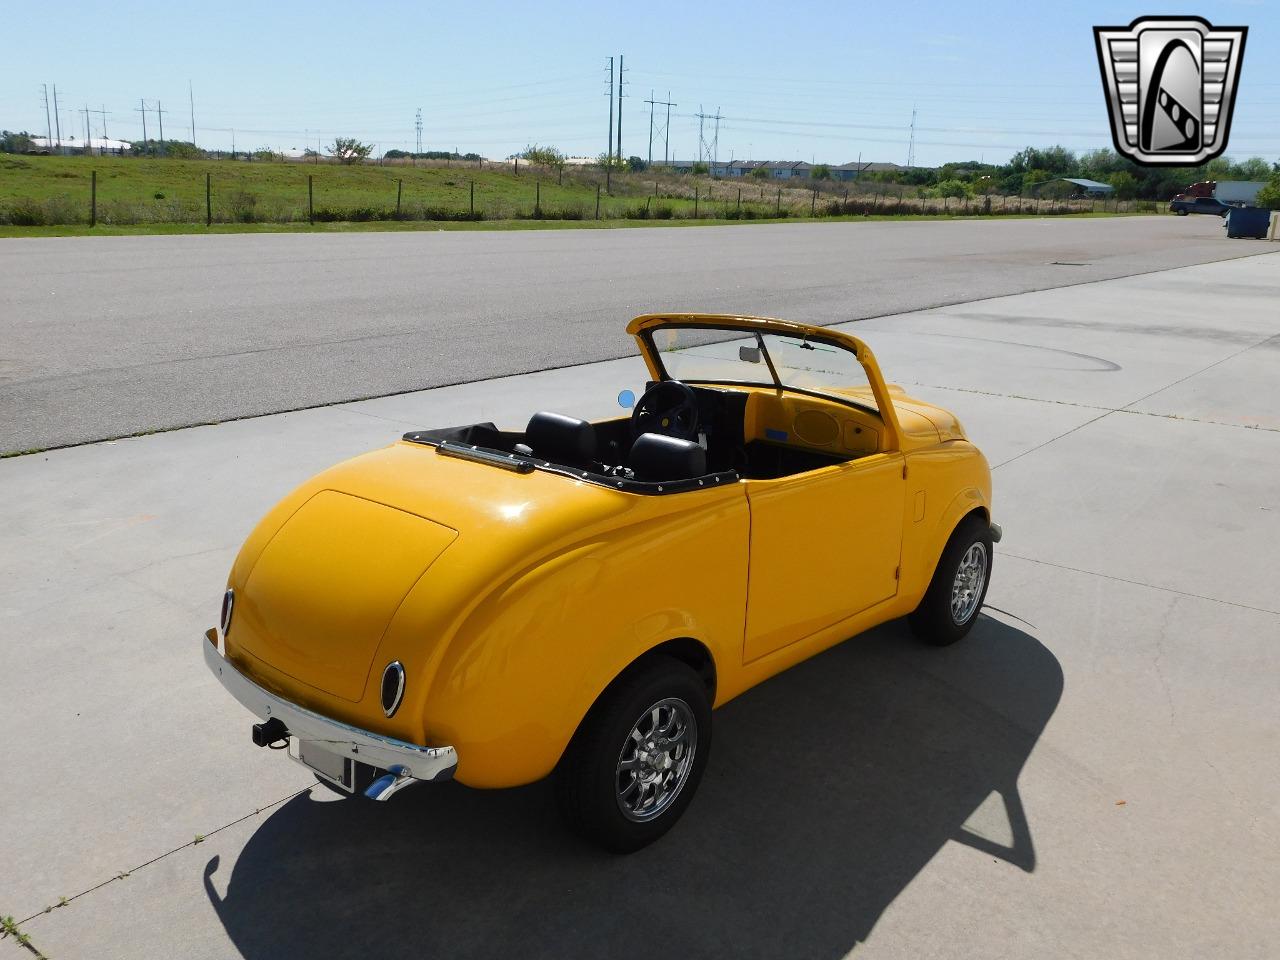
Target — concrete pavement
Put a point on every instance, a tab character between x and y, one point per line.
108	337
1091	773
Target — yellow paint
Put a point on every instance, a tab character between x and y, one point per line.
513	600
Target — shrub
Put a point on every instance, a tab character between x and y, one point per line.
243	204
760	173
1269	196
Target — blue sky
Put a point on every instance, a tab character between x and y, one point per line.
793	81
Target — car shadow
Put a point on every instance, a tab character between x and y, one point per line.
829	788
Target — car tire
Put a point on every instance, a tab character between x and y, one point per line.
959	585
607	776
1181	213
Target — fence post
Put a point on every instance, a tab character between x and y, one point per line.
537	199
695	203
311	210
208	201
739	200
608	173
399	186
93	198
813	203
473	199
597	201
515	165
778	214
560	176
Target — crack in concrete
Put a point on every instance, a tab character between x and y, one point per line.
201	838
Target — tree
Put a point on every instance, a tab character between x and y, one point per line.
760	173
1125	185
701	167
1033	178
547	156
609	160
11	142
636	164
950	188
820	172
1269	196
350	150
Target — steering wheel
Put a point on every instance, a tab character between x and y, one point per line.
668	407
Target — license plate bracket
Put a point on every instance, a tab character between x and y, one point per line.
332	767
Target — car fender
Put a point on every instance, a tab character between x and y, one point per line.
524	667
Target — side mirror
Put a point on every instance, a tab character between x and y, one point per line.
749	354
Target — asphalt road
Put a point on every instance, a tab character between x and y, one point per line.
107	337
1092	773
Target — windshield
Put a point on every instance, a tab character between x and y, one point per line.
690	354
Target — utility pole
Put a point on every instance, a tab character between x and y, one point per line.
191	97
667	141
102	114
417	126
608	144
87	135
48	124
650	102
160	116
621	71
57	122
911	144
143	110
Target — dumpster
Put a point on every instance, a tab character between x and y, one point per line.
1248	222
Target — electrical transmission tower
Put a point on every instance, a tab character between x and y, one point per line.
708	150
911	143
665	130
417	126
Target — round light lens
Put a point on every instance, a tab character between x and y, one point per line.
392	687
228	602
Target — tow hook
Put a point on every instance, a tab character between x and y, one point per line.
269	732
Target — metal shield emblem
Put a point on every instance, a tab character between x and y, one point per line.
1171	86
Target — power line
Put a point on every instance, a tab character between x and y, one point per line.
57	122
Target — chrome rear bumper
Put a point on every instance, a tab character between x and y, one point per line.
404	763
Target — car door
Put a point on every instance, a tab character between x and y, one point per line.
825	545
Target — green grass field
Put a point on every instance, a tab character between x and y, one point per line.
45	195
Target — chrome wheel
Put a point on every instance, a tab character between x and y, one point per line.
656	759
971	577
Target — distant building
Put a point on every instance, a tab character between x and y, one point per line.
778	169
72	145
1076	185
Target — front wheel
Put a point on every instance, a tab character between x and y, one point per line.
635	762
959	585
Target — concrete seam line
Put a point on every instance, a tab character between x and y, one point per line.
190	843
1125	408
1093	406
1139	583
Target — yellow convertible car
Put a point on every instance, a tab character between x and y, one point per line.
574	598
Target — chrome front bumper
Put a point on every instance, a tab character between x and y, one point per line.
404	763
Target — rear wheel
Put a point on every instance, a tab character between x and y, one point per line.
959	585
635	762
